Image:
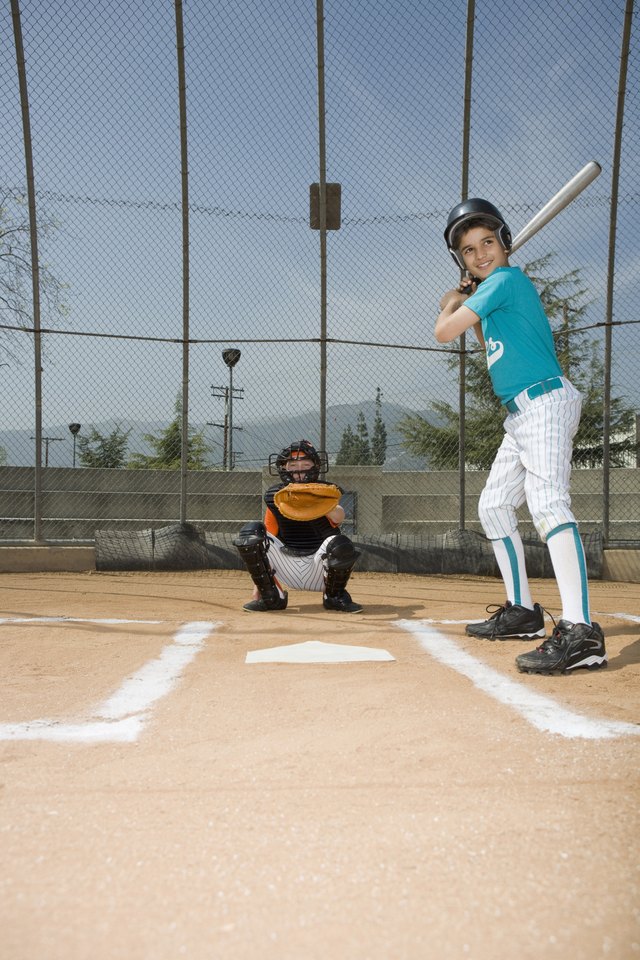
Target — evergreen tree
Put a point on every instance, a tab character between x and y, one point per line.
167	446
379	438
362	447
100	450
355	447
562	298
587	443
345	453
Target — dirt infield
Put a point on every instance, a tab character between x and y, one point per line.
161	798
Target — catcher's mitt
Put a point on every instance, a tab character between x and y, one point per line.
307	501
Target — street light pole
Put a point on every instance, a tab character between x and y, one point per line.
230	420
230	357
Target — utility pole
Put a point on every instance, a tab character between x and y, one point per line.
228	457
230	357
47	441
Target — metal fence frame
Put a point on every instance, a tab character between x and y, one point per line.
323	340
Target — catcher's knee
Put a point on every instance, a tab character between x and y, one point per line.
340	553
251	536
252	545
339	560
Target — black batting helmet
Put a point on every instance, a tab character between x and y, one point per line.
475	209
300	449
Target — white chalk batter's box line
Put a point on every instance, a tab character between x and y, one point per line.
122	716
542	712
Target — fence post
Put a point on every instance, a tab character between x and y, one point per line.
464	193
322	156
615	178
35	268
182	94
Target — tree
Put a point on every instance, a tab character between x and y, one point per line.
167	446
379	438
361	445
587	444
345	453
15	270
355	447
438	442
100	450
563	301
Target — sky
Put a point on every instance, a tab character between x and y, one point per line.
102	82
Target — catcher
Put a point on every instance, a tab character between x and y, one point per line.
300	542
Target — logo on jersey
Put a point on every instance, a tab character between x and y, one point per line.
495	349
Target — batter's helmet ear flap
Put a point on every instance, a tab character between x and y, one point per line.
474	209
504	237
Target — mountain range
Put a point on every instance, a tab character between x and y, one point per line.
252	441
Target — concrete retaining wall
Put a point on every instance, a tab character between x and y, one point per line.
77	502
616	565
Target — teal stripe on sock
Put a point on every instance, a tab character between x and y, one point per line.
563	526
515	572
582	563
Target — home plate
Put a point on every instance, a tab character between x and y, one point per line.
315	651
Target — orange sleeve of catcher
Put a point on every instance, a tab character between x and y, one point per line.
271	522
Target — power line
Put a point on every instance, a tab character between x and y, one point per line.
262	215
289	340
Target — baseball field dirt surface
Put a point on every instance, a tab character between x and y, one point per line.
162	797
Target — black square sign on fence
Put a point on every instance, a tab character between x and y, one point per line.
333	192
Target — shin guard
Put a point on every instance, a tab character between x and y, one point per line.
252	545
339	561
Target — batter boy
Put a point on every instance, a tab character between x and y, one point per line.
533	462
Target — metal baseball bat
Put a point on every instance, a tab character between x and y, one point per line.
562	199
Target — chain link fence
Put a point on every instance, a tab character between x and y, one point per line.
125	421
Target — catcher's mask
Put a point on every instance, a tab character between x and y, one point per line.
464	215
300	450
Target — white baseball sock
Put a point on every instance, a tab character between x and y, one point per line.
570	568
510	556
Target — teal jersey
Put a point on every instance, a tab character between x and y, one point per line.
519	343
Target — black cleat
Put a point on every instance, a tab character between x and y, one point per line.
261	605
508	621
342	602
570	646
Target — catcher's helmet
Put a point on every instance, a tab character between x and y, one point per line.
473	209
300	449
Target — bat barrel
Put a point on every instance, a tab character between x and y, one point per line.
562	199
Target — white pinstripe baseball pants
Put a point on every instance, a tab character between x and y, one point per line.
299	572
533	463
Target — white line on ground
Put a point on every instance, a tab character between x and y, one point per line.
124	731
156	678
542	712
123	715
619	616
69	620
615	616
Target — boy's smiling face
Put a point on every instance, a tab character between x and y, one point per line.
298	467
482	252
